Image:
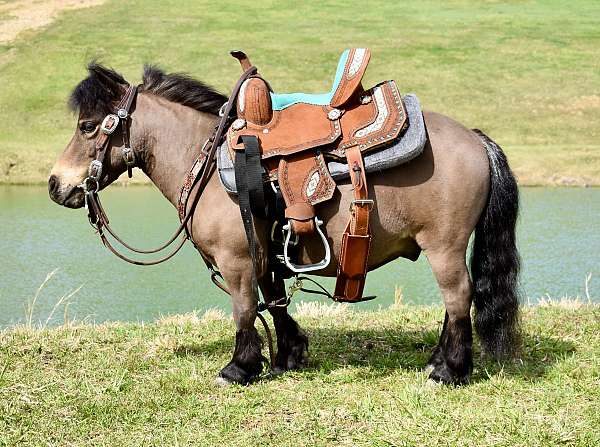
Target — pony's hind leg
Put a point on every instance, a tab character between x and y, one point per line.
451	361
292	342
247	361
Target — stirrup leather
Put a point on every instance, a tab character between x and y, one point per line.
356	241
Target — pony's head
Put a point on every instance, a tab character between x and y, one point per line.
92	99
98	96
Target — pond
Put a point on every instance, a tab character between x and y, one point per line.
558	236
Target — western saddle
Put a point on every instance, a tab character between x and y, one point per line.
285	140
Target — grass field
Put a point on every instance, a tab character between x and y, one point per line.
134	384
527	72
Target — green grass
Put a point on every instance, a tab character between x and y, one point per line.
527	72
152	384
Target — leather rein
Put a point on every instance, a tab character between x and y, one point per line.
198	177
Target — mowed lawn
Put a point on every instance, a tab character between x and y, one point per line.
526	72
133	384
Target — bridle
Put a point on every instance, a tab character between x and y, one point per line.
197	178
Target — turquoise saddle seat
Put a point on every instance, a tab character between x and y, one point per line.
280	101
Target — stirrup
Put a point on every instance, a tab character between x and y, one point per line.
308	267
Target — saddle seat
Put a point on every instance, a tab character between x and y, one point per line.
292	133
280	101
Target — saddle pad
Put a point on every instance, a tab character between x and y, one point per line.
408	146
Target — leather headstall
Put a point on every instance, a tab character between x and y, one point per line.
109	125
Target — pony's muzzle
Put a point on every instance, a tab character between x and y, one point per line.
70	196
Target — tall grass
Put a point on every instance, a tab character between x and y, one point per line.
64	301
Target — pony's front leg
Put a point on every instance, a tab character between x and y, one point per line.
247	361
292	342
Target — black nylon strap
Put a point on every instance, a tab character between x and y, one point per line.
241	182
254	177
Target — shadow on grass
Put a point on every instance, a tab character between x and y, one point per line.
379	352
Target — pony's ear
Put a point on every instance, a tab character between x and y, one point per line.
111	81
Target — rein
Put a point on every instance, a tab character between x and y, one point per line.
198	176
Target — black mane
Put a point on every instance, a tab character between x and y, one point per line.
183	89
103	87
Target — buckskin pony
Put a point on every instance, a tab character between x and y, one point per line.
399	180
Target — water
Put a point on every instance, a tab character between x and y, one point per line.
559	239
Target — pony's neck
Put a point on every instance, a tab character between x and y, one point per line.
169	138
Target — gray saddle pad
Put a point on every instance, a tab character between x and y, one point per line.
408	146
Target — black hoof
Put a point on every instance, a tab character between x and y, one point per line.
442	372
247	362
233	373
452	360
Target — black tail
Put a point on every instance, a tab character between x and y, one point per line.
495	261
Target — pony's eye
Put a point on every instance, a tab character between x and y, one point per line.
88	126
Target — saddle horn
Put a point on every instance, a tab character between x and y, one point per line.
241	56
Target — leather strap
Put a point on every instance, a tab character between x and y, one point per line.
356	241
123	111
103	139
201	170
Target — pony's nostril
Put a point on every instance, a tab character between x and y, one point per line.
53	185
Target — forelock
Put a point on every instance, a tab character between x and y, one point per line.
98	92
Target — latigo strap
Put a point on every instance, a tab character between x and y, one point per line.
356	240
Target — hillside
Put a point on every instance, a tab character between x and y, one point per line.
526	72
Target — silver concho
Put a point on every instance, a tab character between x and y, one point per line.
334	114
313	183
238	124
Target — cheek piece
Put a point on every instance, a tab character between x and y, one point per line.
109	125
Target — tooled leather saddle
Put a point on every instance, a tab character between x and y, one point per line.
291	135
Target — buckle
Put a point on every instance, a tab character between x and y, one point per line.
109	124
95	170
362	202
128	156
